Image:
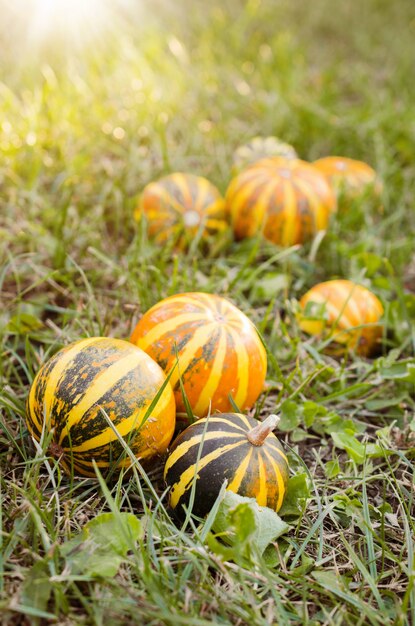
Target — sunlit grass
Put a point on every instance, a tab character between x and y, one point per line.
177	86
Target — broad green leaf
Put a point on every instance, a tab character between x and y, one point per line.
347	441
103	544
291	413
24	323
332	468
298	492
248	528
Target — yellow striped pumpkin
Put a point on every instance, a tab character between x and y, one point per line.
231	447
287	200
71	391
348	176
348	313
179	206
260	148
219	351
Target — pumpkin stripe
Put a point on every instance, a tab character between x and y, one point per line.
167	327
262	493
33	421
124	428
243	197
241	472
58	370
167	200
260	207
243	369
318	212
213	381
186	478
348	304
273	443
278	475
216	224
104	381
196	440
202	192
290	214
230	426
182	184
201	336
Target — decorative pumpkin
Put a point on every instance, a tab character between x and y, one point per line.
348	176
219	351
179	206
231	447
289	201
351	315
73	389
260	148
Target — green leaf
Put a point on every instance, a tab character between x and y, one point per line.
248	528
37	587
347	440
291	413
103	544
332	468
298	492
24	323
399	371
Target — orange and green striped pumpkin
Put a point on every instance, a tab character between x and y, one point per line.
179	206
95	375
347	313
261	148
219	351
231	447
348	176
287	200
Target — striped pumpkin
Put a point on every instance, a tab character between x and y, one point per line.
179	206
344	311
260	148
71	391
230	447
289	201
348	176
219	350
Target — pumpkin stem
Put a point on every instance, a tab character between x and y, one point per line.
259	433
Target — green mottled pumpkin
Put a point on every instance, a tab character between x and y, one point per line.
72	390
231	447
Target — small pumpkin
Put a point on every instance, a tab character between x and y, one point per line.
218	348
345	311
288	200
231	447
348	176
260	148
71	391
179	206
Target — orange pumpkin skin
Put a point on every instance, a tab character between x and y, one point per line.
261	148
348	176
347	307
179	206
288	200
219	350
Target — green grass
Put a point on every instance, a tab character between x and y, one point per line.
177	87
